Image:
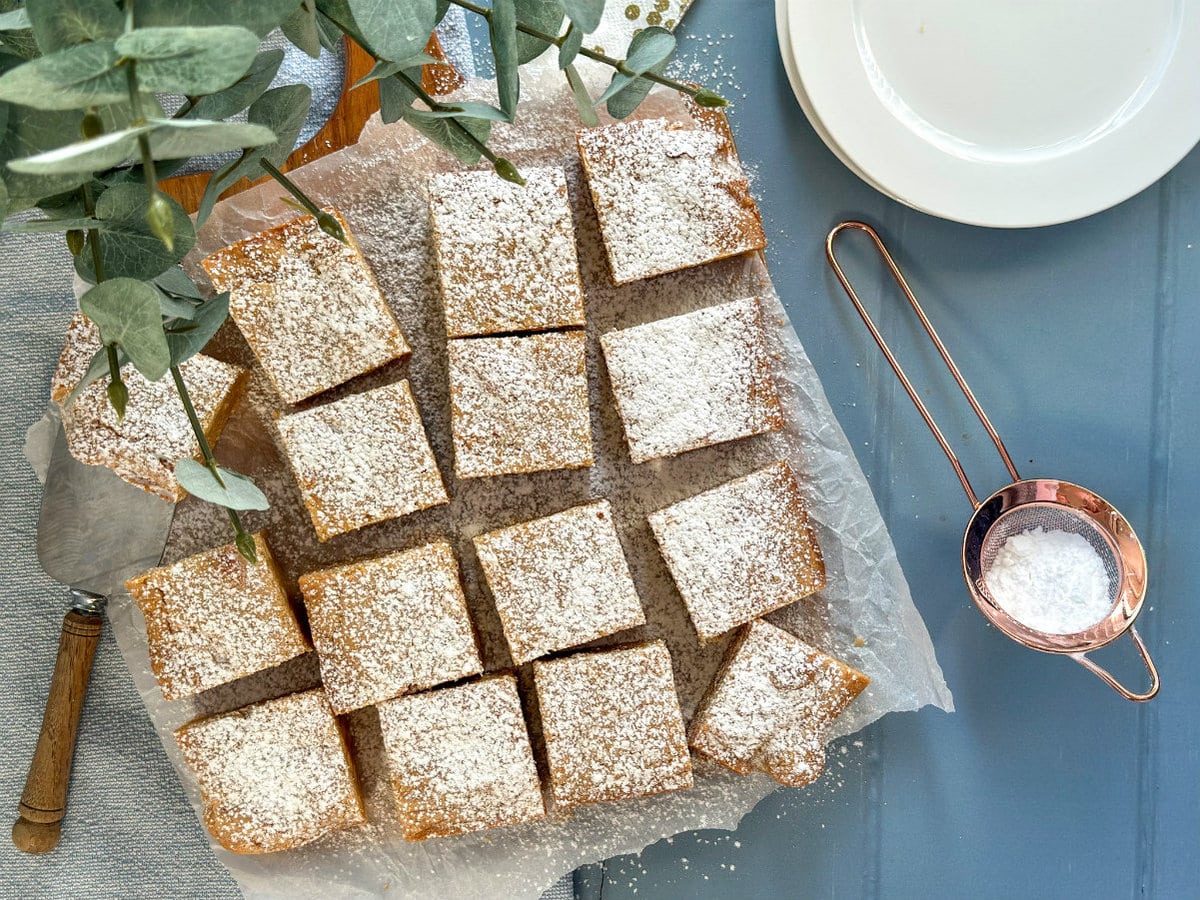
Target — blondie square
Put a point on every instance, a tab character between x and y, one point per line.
519	404
215	617
668	195
693	380
612	724
274	775
741	549
308	306
390	625
460	759
559	581
362	459
771	704
505	252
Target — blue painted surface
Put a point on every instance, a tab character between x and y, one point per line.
1080	340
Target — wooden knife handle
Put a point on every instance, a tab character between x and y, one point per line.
44	800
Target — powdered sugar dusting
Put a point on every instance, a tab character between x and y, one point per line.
390	625
142	447
505	252
559	581
693	380
612	724
362	459
772	704
460	759
214	618
668	196
273	776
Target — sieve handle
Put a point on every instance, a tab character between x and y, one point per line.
1107	678
937	342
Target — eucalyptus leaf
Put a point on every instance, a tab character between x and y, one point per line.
41	226
649	47
65	23
583	100
260	16
283	110
237	492
189	60
502	28
67	79
127	247
470	108
97	369
198	137
175	308
624	93
175	281
328	32
29	133
447	133
395	30
570	47
586	14
242	92
300	27
207	319
15	19
4	200
386	68
542	15
396	97
83	157
127	313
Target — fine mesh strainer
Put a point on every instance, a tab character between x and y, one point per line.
1023	505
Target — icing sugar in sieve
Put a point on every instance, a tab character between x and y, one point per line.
1051	564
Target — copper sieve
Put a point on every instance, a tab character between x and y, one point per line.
1023	505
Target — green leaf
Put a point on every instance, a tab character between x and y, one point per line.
649	47
176	282
395	30
14	20
237	492
260	16
28	133
127	313
396	97
196	137
84	157
570	47
624	94
283	110
97	369
543	15
243	92
472	109
189	60
300	27
386	69
65	23
67	79
175	308
328	32
585	13
583	100
40	226
4	200
207	319
127	246
447	133
502	28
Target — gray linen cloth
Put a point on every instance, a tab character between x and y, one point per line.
130	831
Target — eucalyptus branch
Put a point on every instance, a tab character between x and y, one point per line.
327	223
243	539
118	392
703	96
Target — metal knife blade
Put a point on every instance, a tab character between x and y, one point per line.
95	530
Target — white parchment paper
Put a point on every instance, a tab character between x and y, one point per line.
865	616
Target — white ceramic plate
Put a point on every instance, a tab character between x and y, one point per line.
1007	113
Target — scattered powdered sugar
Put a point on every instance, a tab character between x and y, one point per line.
189	606
559	581
612	724
461	759
362	459
390	625
741	549
1051	581
505	253
273	776
693	380
143	446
